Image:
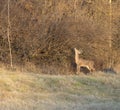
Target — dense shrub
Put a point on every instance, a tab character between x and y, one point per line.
46	32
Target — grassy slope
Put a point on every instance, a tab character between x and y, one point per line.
23	91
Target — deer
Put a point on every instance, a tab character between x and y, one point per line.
80	62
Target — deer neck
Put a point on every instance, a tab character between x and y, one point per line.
76	57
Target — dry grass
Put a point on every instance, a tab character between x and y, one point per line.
28	91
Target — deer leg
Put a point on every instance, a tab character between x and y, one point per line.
78	69
88	68
92	69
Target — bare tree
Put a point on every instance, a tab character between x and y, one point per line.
8	35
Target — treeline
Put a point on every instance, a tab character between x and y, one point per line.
44	32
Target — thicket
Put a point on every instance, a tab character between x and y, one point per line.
43	33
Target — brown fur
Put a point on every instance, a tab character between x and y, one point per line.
82	62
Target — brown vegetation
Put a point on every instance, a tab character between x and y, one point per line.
44	32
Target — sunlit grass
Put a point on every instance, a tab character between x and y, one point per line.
29	90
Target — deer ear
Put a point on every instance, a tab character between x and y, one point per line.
74	48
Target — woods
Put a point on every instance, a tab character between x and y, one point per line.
43	33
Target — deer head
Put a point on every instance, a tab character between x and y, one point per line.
78	51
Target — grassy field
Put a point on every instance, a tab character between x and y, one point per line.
29	91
